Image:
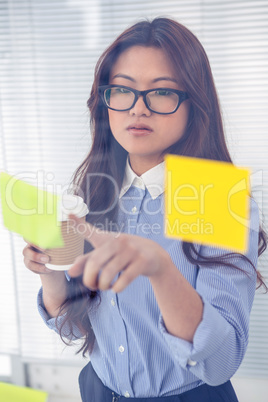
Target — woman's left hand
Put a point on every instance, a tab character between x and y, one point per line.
115	253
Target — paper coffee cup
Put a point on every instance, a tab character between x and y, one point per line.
62	258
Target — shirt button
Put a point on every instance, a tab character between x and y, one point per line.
112	302
134	209
121	349
191	363
126	394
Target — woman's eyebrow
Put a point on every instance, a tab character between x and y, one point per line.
127	77
165	79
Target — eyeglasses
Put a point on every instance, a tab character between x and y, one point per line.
157	100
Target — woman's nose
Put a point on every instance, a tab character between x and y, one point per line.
140	109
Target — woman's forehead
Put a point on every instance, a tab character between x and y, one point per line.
143	62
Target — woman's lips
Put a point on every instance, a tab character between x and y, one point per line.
139	129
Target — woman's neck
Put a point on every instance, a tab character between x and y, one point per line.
141	165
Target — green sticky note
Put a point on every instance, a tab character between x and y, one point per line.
30	212
14	393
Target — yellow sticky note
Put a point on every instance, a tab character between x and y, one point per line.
14	393
30	211
207	202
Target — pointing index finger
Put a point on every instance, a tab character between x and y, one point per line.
89	232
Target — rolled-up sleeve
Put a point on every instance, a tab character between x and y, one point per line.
56	323
221	339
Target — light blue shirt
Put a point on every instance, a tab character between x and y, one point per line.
133	354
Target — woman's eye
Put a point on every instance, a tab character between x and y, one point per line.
122	90
162	92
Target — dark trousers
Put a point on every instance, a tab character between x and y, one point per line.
92	390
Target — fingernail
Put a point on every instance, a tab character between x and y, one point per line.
44	259
73	218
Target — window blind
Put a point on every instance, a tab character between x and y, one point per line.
48	52
236	40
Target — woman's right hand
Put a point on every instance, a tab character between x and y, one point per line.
54	283
35	259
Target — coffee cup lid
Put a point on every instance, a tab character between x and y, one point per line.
71	204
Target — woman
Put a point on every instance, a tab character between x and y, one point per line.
162	320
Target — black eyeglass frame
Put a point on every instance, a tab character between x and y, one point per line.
182	96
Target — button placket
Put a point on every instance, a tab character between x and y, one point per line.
135	200
121	349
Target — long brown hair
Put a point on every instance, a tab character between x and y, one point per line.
203	138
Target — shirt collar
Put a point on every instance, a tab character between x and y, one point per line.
153	180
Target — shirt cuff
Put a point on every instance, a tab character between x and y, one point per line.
208	338
49	321
55	323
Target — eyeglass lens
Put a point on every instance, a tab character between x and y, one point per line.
162	101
